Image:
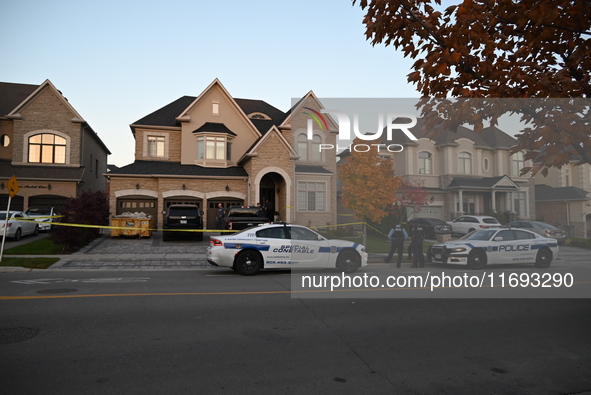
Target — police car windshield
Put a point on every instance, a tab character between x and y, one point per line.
480	235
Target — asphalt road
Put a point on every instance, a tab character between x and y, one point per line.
215	332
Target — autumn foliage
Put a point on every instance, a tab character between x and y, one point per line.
498	49
369	184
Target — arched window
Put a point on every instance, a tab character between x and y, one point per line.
309	150
47	148
315	148
303	147
425	163
465	163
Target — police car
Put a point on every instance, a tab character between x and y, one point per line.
283	246
498	245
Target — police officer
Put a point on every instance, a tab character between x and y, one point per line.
397	236
417	235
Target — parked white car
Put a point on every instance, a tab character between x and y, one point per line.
468	223
282	246
19	225
43	215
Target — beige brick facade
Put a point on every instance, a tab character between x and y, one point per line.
48	182
252	162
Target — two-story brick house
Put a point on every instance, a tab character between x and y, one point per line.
465	172
48	146
563	198
215	148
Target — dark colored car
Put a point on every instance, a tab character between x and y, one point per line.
432	227
241	217
540	228
179	219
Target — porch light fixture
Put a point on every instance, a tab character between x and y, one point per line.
227	188
137	186
184	187
49	187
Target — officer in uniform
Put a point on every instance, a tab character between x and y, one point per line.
417	235
397	236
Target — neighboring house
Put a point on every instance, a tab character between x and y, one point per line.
215	148
466	172
48	146
563	199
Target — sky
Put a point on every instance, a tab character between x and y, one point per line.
117	61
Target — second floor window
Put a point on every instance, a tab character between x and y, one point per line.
47	148
211	147
156	146
425	164
465	163
517	163
309	150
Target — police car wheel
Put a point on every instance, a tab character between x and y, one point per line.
348	261
477	259
543	258
248	263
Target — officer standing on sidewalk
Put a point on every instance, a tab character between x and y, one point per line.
397	235
417	235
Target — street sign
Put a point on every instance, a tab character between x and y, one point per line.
12	186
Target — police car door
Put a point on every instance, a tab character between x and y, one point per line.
275	246
309	249
511	250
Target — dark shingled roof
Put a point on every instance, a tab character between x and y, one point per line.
311	169
477	182
145	167
11	95
545	193
166	116
490	138
214	127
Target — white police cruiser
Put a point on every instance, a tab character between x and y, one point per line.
499	245
283	246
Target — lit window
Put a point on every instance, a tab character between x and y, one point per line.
311	196
425	164
211	147
156	146
517	163
465	163
47	148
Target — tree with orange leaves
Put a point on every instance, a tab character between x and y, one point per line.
498	49
369	183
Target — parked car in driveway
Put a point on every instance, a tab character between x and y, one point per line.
468	223
241	217
432	227
43	215
19	225
180	220
540	228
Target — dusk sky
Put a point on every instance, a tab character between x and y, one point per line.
117	61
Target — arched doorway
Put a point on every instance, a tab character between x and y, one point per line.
272	190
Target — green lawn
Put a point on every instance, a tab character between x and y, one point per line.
31	263
43	246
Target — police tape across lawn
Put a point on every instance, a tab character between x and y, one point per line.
438	281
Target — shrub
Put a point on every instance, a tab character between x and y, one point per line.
91	208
